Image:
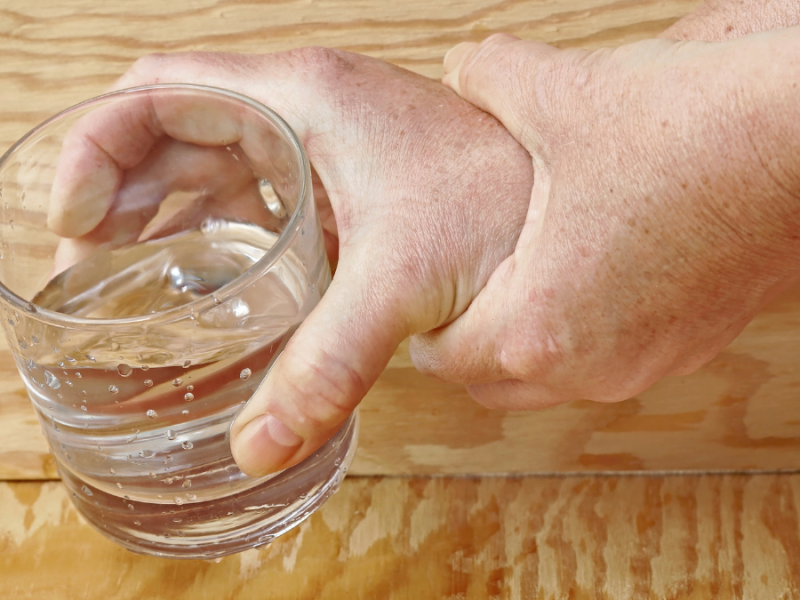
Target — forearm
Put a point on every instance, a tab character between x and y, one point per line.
720	20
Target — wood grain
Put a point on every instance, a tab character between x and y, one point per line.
394	538
740	412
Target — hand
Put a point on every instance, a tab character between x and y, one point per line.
663	216
428	195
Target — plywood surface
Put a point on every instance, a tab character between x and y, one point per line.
740	412
415	538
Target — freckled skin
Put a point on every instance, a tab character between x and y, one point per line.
669	175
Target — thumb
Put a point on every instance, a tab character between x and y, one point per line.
325	370
497	76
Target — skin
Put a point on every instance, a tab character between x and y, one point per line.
662	215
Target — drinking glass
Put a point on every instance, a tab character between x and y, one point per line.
139	342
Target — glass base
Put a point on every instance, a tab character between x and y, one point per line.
226	525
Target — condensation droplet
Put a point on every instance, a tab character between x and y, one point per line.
171	435
124	370
187	483
34	339
79	376
187	364
184	412
112	471
178	500
187	445
189	388
87	491
191	497
137	523
148	383
113	389
177	520
119	485
83	408
130	507
217	300
145	367
177	382
153	475
188	397
29	307
266	538
51	380
152	414
245	374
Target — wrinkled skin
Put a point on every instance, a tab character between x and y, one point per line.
663	217
428	193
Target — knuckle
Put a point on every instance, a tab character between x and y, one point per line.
326	389
324	63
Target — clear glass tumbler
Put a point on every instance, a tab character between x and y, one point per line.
141	339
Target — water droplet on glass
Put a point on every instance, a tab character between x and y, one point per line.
113	389
79	376
124	370
137	523
87	491
145	367
191	497
22	344
91	358
153	475
70	359
148	383
189	388
171	435
188	397
245	374
240	308
51	380
61	364
187	445
187	364
152	414
217	300
178	500
130	506
184	412
119	485
177	520
29	307
68	382
187	483
147	453
83	408
177	382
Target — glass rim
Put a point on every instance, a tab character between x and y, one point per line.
228	290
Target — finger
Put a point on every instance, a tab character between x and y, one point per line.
112	139
329	364
215	182
497	76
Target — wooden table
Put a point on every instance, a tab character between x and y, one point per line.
546	508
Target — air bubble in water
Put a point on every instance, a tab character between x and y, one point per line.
148	383
124	370
177	382
151	413
188	397
187	445
171	435
245	374
113	389
51	380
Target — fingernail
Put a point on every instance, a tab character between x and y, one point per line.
264	445
456	54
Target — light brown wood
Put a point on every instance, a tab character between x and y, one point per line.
740	412
390	538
